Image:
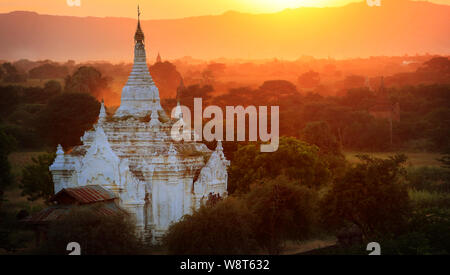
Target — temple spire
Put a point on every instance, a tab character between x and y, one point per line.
180	90
219	146
139	35
140	96
102	113
158	58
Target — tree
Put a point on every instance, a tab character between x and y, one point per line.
370	195
207	76
48	70
9	99
2	73
53	87
24	134
9	68
309	80
281	210
439	128
195	91
359	98
445	160
220	229
295	159
66	117
166	78
11	74
37	181
319	133
438	64
354	81
86	80
217	68
278	87
7	145
97	234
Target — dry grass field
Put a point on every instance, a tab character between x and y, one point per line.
414	159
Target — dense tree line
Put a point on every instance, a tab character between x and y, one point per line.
423	125
304	187
45	116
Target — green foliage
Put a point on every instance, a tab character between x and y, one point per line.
439	128
281	210
96	234
48	70
309	79
66	117
7	145
9	99
26	137
360	98
221	229
433	179
319	133
445	161
11	74
424	115
426	199
37	181
195	91
13	234
295	159
438	64
427	234
270	214
53	87
371	195
86	80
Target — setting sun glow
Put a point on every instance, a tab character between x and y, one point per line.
169	9
276	5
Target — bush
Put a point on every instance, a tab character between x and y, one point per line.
432	179
296	160
26	138
96	234
37	181
319	133
13	234
9	99
66	117
273	212
7	144
281	210
221	229
425	199
370	195
428	233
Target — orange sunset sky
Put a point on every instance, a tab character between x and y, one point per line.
163	9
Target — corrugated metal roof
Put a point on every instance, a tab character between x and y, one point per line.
86	194
54	213
46	215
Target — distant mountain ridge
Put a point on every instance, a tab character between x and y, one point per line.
398	27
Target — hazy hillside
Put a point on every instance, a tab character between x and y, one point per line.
398	27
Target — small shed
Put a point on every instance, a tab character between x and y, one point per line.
91	197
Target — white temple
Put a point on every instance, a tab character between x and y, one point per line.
133	155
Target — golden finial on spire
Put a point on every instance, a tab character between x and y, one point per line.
139	35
